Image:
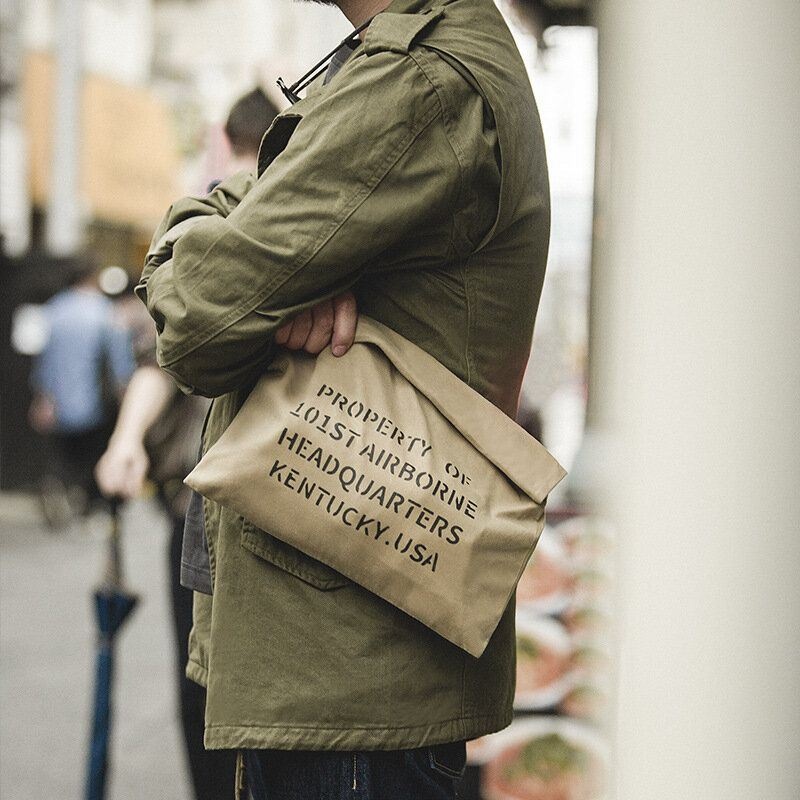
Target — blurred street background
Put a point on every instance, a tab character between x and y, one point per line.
659	621
47	639
110	111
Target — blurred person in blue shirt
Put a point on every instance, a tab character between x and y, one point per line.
78	378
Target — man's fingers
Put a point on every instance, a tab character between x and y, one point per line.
122	473
103	476
283	333
301	327
110	479
134	481
329	322
322	327
345	317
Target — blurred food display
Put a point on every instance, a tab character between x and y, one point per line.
544	663
554	749
547	583
548	767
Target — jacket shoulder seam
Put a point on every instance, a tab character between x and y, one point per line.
397	32
448	119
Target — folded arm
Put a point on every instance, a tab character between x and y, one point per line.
186	212
363	171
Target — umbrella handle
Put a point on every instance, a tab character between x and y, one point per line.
114	571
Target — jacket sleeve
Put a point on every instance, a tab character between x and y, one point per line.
367	166
184	213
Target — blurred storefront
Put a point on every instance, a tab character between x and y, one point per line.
126	170
128	158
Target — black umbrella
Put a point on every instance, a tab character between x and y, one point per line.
113	604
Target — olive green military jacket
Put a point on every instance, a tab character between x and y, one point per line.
416	177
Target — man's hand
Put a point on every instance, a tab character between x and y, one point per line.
121	470
329	322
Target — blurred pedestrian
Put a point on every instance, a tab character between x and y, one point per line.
245	128
157	436
77	381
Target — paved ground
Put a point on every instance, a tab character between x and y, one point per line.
46	661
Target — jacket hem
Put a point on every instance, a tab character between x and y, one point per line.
197	673
353	737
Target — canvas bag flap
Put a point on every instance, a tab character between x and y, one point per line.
386	467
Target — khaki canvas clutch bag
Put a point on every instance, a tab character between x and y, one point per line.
385	466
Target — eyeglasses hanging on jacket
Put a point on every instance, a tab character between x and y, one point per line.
291	93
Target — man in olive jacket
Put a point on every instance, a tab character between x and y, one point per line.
415	177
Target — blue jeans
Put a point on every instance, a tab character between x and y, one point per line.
428	773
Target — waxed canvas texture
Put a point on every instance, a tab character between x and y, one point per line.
388	469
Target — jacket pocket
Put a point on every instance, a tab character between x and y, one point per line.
290	559
449	759
276	138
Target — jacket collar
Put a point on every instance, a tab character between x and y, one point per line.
413	6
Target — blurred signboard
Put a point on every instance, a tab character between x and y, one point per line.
129	155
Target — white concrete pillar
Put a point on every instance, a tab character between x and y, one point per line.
15	202
64	232
696	376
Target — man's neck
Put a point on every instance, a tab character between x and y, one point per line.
359	11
